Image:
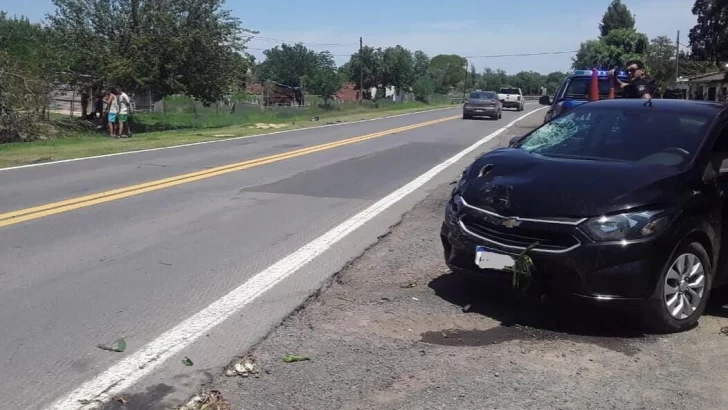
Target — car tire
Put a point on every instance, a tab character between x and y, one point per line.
500	114
466	117
657	317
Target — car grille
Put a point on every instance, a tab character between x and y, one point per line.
518	236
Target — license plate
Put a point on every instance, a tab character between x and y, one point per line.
487	259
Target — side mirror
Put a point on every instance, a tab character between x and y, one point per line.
544	100
513	141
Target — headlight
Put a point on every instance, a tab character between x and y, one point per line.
633	225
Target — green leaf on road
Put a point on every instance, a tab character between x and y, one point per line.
290	358
187	361
119	348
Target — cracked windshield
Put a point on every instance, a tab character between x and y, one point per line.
218	205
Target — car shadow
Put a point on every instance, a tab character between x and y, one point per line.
558	318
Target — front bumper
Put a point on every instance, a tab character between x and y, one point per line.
569	264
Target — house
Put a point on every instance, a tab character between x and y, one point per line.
709	87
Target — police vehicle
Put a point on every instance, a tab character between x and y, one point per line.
574	91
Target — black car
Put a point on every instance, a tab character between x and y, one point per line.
622	202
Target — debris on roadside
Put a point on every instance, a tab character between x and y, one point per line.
291	358
187	361
467	307
211	400
121	399
243	366
415	299
119	346
724	330
409	285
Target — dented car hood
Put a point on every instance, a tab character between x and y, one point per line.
517	183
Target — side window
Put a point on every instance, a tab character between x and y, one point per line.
721	143
720	147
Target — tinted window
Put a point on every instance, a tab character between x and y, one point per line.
579	88
638	134
509	91
482	95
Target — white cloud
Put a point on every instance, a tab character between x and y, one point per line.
501	36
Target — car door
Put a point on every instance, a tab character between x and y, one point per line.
716	193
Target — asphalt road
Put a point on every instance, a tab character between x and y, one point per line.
139	262
396	330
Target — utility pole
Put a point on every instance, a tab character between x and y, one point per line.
677	56
361	71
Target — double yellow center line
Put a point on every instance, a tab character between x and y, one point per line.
22	215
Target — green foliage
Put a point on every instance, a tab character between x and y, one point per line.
709	38
177	46
325	83
366	66
293	64
423	88
616	17
614	49
447	70
397	68
660	60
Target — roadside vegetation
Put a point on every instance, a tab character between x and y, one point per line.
189	62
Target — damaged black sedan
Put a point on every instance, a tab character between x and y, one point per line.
616	201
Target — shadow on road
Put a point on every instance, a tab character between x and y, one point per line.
528	317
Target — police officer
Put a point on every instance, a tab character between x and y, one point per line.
639	86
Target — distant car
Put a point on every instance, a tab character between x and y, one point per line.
512	98
621	201
574	91
482	104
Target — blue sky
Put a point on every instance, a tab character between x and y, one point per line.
465	27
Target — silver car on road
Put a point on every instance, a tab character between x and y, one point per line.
482	104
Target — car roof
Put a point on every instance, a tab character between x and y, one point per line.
682	106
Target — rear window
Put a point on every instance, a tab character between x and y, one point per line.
579	88
641	135
509	91
482	95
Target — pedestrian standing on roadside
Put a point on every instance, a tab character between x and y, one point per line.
124	111
639	86
112	109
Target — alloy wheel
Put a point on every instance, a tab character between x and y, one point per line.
684	286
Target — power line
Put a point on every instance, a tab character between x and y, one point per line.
548	53
276	40
479	56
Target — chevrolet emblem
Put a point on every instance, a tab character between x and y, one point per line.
511	223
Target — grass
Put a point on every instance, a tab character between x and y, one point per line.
180	126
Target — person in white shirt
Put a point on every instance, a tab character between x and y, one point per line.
112	110
124	109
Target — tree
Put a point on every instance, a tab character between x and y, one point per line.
614	49
660	60
293	64
709	39
616	17
368	61
397	68
325	83
175	46
421	64
27	65
448	70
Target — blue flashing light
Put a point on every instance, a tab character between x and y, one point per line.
600	73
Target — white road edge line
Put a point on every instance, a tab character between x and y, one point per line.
63	161
126	372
